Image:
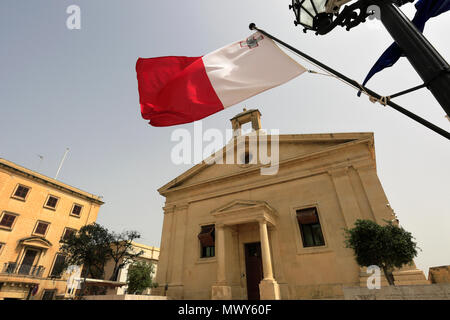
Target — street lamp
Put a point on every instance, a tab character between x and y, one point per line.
311	14
322	16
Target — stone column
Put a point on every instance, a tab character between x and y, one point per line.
346	196
375	194
220	290
277	263
265	250
220	246
176	263
163	263
268	287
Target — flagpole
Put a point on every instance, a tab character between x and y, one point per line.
62	161
354	83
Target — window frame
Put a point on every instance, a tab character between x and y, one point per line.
46	230
300	249
48	290
81	210
53	266
15	190
48	198
65	230
14	222
202	259
309	227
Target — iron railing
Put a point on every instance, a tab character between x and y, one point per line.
22	269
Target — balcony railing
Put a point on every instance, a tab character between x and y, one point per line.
22	269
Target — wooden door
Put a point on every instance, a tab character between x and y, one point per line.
253	269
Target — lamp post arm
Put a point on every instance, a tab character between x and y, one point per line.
349	16
425	59
354	83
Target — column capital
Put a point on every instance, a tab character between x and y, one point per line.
337	172
219	225
182	206
261	220
169	209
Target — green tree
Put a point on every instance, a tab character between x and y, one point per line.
89	247
122	252
388	246
139	277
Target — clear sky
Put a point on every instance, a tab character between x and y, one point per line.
77	88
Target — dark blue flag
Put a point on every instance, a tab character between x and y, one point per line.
426	9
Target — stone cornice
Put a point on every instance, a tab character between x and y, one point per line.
303	174
310	156
39	178
346	139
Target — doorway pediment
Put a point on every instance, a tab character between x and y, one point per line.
36	241
242	211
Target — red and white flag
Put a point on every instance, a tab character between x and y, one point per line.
175	90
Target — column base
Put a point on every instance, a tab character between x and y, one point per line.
269	290
220	292
175	292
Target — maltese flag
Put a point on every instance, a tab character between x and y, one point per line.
175	90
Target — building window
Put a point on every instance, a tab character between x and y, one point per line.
2	245
48	295
76	210
207	241
58	266
41	228
7	220
67	233
21	192
51	202
308	221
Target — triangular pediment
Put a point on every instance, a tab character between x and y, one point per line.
238	205
290	147
36	241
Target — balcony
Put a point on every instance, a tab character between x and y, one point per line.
16	269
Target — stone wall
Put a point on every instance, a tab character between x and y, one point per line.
412	292
439	274
124	297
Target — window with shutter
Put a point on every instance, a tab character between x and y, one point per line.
76	210
67	233
41	228
310	229
21	192
7	220
207	241
51	203
58	266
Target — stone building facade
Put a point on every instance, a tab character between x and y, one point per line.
35	212
230	232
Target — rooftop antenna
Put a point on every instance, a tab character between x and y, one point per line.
62	161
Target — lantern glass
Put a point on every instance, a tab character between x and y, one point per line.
310	9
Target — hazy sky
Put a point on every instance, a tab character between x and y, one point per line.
77	88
